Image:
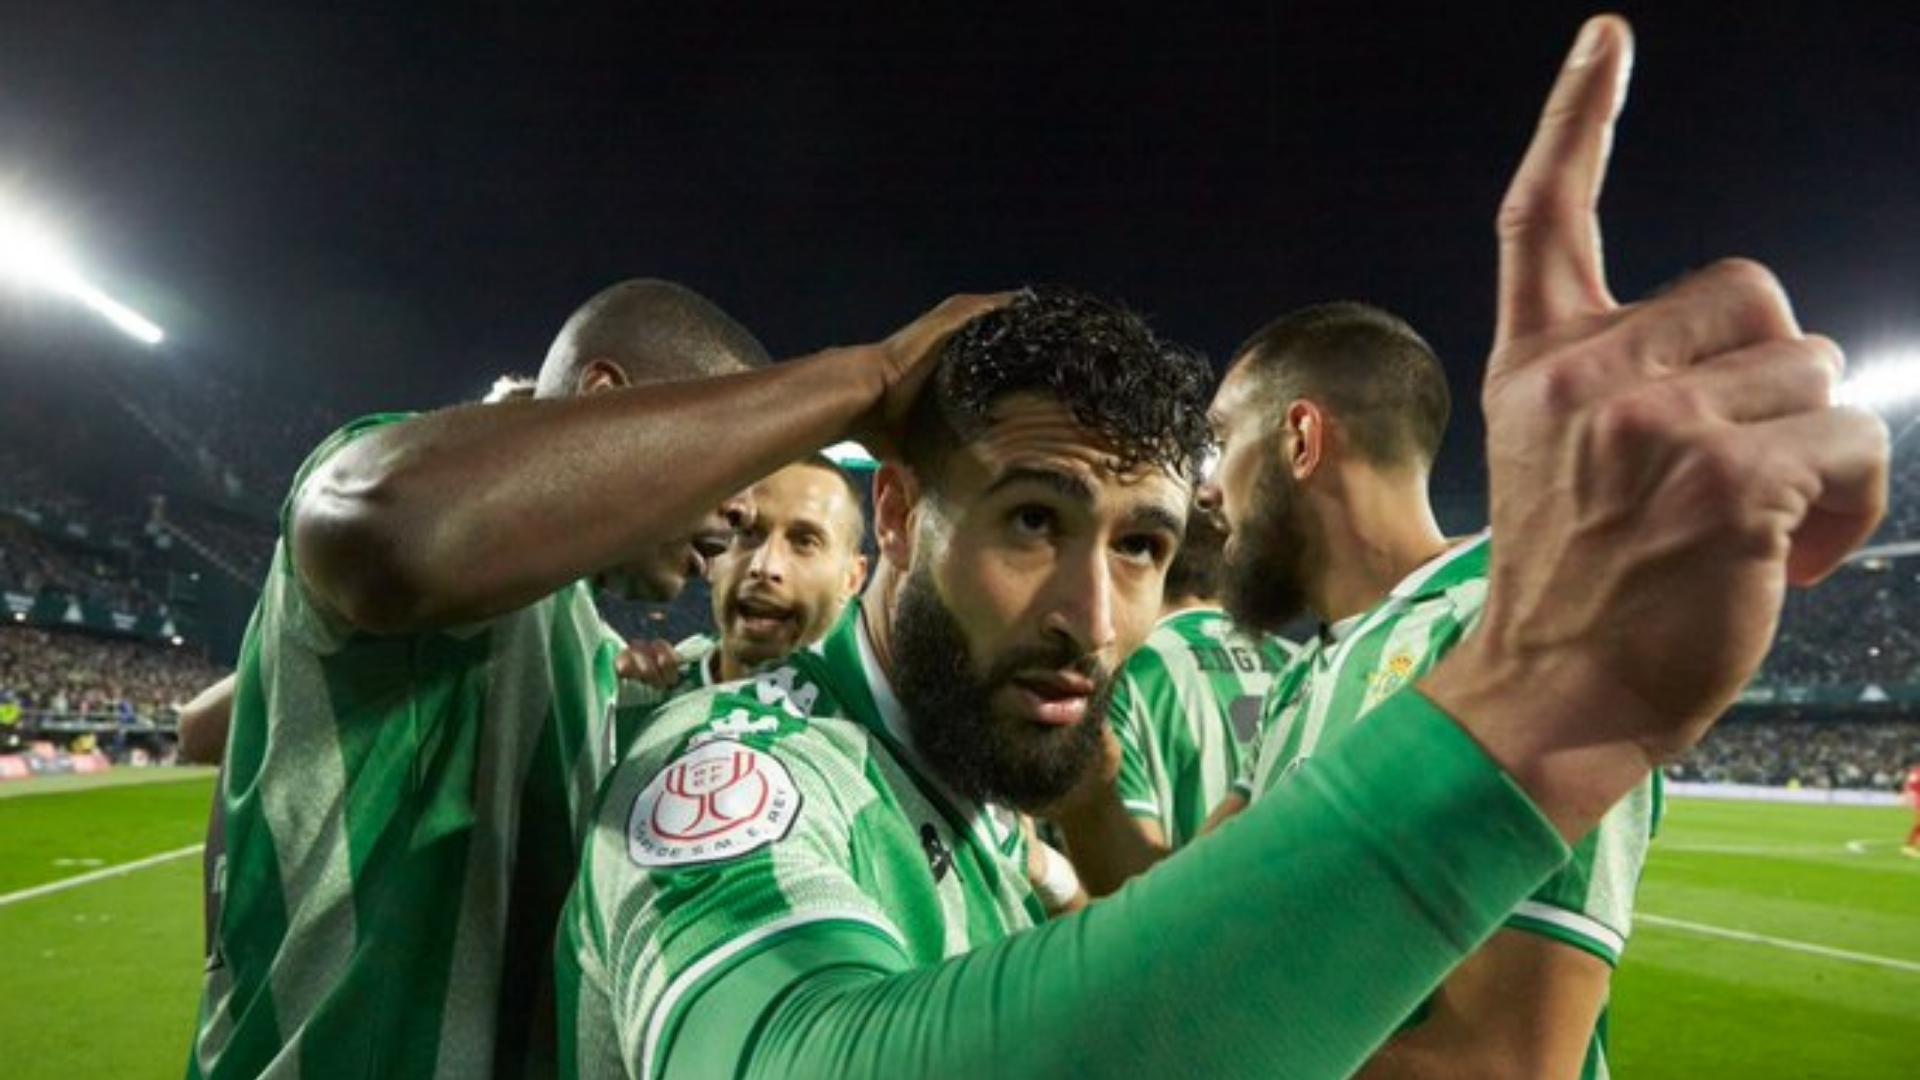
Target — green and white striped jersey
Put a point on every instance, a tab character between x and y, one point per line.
402	818
1186	708
748	814
638	702
1331	687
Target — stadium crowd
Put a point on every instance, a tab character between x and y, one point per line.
57	674
30	563
1857	627
1797	749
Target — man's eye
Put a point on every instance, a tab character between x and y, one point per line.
1146	549
1036	521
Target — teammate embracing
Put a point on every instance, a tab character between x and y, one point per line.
421	708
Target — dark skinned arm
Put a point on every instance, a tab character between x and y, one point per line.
468	513
204	722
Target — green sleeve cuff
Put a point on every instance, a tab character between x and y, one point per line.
1413	768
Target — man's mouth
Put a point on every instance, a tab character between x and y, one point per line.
1053	698
760	617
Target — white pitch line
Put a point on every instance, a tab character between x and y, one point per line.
1908	966
96	875
1763	850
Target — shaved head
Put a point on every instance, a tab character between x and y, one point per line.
653	331
1364	365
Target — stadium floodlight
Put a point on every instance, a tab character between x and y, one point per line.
31	257
1882	381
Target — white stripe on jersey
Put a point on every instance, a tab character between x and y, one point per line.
1592	929
308	822
519	688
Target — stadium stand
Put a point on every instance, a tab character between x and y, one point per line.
1794	749
1856	628
62	679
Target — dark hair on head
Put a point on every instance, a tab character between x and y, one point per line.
854	494
657	331
1195	569
1145	396
1367	367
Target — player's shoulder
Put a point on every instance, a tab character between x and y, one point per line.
725	771
335	442
1190	637
788	711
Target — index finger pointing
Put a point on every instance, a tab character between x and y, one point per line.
1550	263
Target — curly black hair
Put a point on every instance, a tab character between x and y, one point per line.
1143	394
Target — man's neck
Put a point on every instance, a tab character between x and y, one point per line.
1380	530
730	667
876	610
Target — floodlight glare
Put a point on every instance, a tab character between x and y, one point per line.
1882	382
850	455
31	258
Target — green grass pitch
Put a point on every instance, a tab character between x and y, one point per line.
102	979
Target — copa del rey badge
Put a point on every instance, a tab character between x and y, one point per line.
719	800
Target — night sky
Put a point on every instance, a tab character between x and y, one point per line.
395	207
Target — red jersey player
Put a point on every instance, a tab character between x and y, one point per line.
1911	790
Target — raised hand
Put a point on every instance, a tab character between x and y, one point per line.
905	359
1660	471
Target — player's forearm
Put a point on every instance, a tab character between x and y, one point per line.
204	722
1108	845
470	512
1290	944
1544	718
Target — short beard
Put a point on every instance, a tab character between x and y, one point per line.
949	709
1263	575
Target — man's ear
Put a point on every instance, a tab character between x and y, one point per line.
1304	442
856	576
896	495
600	374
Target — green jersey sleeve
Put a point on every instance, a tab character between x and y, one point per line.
714	842
1588	904
1390	860
307	621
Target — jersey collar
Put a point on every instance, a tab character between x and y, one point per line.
1462	562
1186	612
